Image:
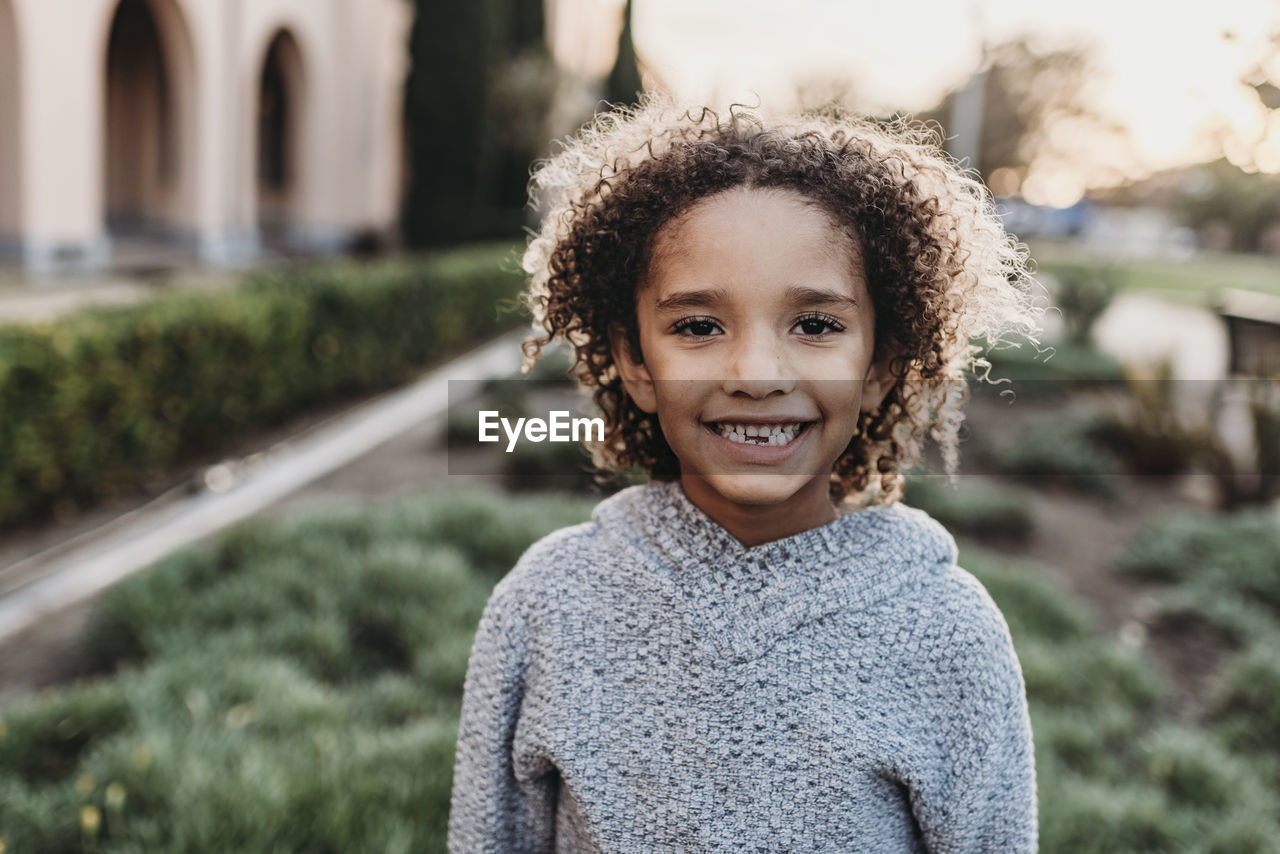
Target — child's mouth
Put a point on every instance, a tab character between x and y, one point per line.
769	435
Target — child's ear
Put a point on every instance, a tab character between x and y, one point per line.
635	376
880	378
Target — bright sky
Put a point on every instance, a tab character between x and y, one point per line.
1166	70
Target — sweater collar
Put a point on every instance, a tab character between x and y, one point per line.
750	593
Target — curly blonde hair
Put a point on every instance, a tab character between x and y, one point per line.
940	268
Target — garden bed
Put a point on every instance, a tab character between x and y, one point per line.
1142	742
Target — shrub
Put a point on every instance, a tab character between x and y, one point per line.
342	591
972	509
389	609
1094	743
1148	446
1146	428
1113	777
491	529
1035	607
1087	817
1196	772
1246	706
1198	607
1089	675
1237	554
45	740
39	819
1061	455
1049	372
247	754
1239	830
1082	294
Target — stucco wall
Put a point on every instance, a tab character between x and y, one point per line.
9	60
349	75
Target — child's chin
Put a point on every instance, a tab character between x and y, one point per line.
758	490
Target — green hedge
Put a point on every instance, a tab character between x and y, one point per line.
97	404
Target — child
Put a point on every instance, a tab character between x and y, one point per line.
760	649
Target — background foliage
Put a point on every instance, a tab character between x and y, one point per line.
296	686
101	402
480	83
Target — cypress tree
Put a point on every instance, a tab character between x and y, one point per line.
528	24
515	148
624	84
445	110
462	177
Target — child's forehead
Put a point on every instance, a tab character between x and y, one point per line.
746	219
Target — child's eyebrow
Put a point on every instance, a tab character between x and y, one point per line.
691	299
799	295
795	295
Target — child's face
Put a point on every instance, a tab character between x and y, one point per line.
756	314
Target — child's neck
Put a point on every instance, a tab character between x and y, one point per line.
754	524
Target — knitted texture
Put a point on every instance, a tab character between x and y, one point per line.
643	682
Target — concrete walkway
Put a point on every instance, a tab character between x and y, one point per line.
237	492
1140	329
36	301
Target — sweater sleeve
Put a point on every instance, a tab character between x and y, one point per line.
496	806
985	798
994	800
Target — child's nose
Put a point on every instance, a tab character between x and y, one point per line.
758	367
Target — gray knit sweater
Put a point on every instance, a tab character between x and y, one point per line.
643	682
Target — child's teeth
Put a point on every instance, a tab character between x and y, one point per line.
760	434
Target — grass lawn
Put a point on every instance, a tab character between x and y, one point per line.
295	686
1195	280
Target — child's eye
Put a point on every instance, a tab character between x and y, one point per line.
818	324
695	327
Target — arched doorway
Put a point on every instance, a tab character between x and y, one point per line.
10	191
280	114
149	127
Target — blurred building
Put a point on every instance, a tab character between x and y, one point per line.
218	129
1024	219
583	38
1103	225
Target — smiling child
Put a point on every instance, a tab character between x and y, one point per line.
761	649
